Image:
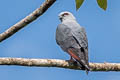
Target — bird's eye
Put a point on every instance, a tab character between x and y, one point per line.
65	14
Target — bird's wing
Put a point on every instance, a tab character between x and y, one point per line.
81	54
81	38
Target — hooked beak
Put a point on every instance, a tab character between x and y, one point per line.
60	19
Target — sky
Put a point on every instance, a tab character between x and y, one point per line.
37	40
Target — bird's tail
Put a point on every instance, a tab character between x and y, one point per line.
81	62
83	65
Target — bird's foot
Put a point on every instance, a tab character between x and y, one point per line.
72	61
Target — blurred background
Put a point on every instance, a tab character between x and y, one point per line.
37	40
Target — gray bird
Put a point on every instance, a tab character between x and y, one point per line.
71	37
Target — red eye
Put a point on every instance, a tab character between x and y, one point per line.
65	14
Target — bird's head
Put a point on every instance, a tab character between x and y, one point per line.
66	16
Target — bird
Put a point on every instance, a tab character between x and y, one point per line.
72	39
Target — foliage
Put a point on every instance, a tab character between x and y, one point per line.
79	3
101	3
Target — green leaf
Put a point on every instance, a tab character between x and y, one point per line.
102	4
78	3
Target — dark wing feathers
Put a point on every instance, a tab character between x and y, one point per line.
81	37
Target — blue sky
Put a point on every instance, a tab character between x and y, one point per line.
37	40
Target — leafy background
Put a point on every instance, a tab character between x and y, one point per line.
37	40
101	3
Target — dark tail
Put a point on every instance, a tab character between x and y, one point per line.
85	66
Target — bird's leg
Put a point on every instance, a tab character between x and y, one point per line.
71	59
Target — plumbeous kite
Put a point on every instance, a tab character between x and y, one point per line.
71	37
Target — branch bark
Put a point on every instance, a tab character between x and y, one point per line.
58	63
21	24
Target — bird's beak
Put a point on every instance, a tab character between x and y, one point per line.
60	19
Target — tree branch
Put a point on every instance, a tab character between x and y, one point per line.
21	24
58	63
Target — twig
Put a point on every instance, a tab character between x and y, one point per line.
34	15
57	63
